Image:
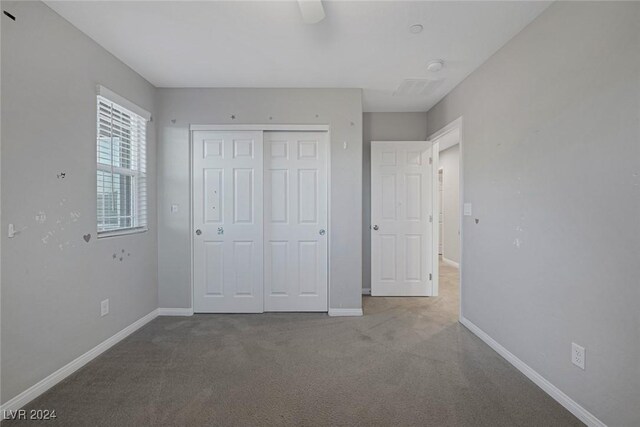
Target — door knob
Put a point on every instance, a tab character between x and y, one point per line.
220	230
375	227
322	231
198	232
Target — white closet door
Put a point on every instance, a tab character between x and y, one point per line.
295	221
227	222
401	211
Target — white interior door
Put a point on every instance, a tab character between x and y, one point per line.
401	218
295	221
227	220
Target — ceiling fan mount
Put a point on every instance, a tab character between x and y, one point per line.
312	11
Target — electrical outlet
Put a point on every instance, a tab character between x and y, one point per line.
578	354
104	307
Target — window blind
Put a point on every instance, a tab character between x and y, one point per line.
121	171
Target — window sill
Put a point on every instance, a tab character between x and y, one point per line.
125	232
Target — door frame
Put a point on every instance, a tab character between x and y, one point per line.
263	128
435	206
440	191
456	124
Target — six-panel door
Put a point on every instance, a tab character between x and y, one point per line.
295	221
401	232
227	222
248	259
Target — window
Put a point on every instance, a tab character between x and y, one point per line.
122	189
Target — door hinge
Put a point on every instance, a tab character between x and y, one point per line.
430	276
430	218
430	160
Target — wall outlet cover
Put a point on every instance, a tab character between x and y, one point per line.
578	354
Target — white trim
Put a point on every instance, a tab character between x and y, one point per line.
344	312
45	384
329	222
124	102
449	144
191	221
435	219
366	291
450	262
175	311
558	395
457	123
121	232
270	127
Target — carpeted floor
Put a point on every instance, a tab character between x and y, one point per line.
406	362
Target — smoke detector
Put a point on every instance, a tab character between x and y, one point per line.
416	29
435	65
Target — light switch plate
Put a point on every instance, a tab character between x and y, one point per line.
104	307
174	208
467	209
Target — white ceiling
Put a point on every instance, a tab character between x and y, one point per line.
361	44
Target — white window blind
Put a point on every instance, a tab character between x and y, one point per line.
122	186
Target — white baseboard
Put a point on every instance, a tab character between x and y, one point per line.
43	385
366	291
175	312
451	263
337	312
571	405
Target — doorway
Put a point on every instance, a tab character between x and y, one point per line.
260	220
450	205
448	143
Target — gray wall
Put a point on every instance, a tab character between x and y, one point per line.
382	127
52	280
340	108
450	165
551	142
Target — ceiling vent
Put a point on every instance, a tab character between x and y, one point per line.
417	87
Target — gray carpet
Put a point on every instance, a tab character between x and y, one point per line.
406	362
